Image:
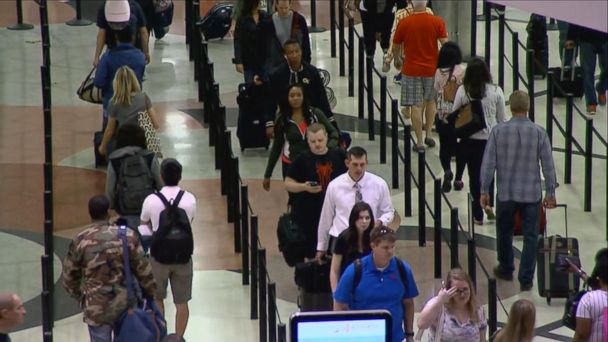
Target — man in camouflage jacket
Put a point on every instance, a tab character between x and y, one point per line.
93	271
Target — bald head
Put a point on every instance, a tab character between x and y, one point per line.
7	300
12	311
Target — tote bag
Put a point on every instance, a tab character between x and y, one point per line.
88	91
469	119
152	140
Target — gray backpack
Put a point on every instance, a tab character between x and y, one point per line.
134	182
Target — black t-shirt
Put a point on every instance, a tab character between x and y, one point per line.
4	338
322	169
341	247
136	21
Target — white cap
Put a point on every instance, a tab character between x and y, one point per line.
117	11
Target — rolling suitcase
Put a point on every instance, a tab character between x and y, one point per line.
312	279
568	79
216	23
553	282
253	104
539	42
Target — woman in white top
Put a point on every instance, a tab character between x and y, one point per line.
592	310
477	84
454	314
449	74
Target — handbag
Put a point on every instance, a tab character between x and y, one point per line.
152	140
569	318
438	332
141	322
450	88
469	119
88	91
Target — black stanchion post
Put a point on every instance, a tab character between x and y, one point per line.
421	200
395	143
47	324
532	66
332	27
515	59
78	21
361	97
588	163
472	262
549	118
407	164
230	174
492	306
263	295
255	270
342	40
501	50
223	163
194	13
282	332
313	18
568	140
473	28
351	57
437	228
188	17
454	238
272	316
236	214
20	25
370	99
488	32
245	234
383	122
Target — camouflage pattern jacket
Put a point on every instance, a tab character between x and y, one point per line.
93	272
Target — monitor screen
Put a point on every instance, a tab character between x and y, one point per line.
343	326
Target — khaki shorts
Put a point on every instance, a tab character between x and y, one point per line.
180	276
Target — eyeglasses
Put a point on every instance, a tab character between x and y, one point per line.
358	195
463	291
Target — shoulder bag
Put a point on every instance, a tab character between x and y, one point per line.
438	332
152	140
142	321
88	91
469	119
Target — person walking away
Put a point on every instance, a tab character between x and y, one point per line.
514	150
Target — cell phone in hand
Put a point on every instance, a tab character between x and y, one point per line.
313	183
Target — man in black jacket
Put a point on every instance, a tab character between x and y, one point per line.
297	71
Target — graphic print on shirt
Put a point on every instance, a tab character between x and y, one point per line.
324	171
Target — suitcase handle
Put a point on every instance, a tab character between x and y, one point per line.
565	206
572	66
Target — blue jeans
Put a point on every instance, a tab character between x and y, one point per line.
102	333
588	60
505	220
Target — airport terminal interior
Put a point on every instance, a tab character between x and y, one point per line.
220	309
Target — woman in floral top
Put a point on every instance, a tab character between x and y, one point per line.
454	314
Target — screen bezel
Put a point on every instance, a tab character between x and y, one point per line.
335	316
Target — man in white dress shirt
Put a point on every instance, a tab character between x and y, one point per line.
343	192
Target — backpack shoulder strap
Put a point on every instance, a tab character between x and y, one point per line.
402	272
358	272
178	198
163	199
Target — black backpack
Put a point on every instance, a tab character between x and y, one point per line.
134	181
172	243
291	241
358	271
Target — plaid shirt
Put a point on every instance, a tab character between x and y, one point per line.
514	149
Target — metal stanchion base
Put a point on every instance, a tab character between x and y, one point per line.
316	29
78	22
21	27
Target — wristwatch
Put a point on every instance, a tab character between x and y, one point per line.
409	334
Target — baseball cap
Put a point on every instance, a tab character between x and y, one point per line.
117	11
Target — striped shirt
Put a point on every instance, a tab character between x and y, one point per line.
594	305
513	150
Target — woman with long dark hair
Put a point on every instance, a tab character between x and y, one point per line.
449	75
477	85
295	115
250	41
352	243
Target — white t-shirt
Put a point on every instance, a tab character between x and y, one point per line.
592	306
153	206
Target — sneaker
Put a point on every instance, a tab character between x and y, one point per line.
525	287
601	98
429	142
397	79
591	109
418	148
458	185
490	213
386	64
500	274
446	186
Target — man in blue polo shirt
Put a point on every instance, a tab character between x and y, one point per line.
382	285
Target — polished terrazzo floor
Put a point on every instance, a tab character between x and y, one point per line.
219	310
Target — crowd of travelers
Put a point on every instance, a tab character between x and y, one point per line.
344	213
